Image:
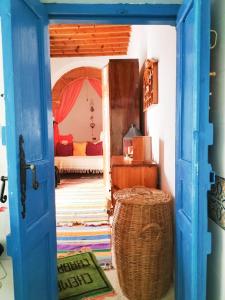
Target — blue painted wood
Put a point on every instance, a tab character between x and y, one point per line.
26	100
113	13
194	134
114	1
32	242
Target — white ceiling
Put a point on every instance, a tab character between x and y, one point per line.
114	1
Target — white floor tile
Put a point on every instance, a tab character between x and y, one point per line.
112	276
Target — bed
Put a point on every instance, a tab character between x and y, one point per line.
79	164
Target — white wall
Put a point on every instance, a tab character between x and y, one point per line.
138	47
152	42
6	285
61	65
161	117
78	120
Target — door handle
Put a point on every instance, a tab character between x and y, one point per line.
35	183
23	175
3	197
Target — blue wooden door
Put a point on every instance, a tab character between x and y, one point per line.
29	139
194	134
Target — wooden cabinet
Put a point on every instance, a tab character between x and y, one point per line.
121	95
121	106
127	173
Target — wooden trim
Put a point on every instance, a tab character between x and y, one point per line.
150	83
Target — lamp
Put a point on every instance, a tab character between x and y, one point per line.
127	140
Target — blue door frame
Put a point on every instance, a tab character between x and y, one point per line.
201	135
145	14
193	242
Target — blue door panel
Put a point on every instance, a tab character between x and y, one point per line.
37	207
187	256
193	137
39	276
32	243
187	78
185	188
28	40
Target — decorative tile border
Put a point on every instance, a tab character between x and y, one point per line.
216	202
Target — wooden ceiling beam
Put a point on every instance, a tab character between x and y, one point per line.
90	54
90	42
86	26
62	51
89	36
70	31
65	25
90	47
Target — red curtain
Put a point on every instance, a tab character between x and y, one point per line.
69	96
96	84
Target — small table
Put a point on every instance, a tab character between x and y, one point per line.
127	173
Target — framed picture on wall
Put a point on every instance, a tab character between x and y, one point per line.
150	83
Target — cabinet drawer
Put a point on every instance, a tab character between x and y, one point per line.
128	176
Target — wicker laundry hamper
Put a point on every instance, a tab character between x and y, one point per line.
143	242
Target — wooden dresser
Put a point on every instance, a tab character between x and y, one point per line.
127	173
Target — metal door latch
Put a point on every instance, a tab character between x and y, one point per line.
23	175
3	197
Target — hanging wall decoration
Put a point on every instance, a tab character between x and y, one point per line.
92	123
150	83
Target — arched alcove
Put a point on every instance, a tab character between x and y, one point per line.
86	110
67	78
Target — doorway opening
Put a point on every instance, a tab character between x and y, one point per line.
76	50
28	107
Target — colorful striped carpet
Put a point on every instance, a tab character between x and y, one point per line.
82	220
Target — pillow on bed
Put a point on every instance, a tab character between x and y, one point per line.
64	150
79	149
66	139
93	149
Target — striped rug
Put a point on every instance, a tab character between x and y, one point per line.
82	220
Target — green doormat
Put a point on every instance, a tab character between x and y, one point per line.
80	276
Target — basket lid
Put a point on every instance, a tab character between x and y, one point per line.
141	195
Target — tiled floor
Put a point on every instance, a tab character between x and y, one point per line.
112	276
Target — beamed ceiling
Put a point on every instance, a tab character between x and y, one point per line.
88	40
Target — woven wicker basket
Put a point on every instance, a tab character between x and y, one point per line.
143	242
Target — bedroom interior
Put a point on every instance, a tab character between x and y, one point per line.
98	73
